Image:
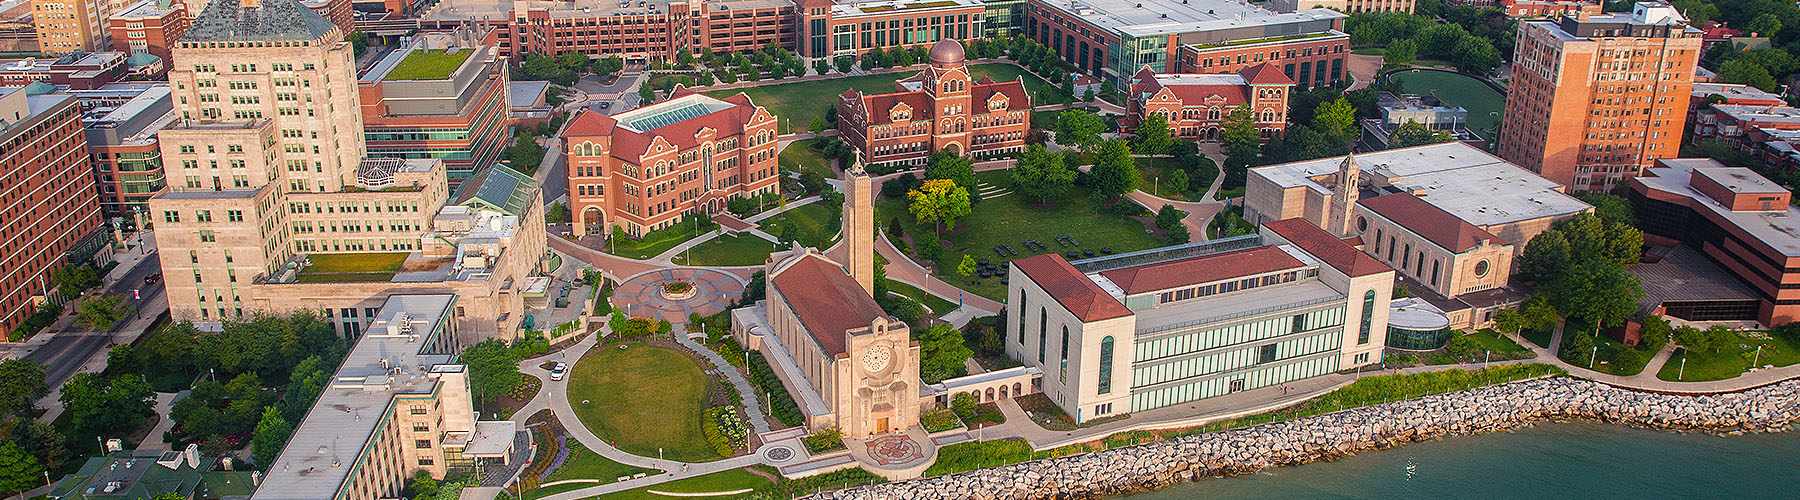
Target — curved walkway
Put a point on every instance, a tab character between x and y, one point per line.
902	268
746	393
1199	213
1647	381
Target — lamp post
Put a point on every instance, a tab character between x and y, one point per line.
1758	359
1594	356
1683	370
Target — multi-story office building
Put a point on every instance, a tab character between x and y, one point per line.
1195	105
1741	221
941	109
122	146
399	405
1350	6
1152	329
828	28
340	12
1548	8
71	25
52	212
148	26
1457	218
1596	98
80	71
1113	39
443	96
643	169
272	205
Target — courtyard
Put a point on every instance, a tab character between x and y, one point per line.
728	250
642	399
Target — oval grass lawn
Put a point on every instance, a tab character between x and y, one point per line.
642	398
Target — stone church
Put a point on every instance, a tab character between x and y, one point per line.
846	362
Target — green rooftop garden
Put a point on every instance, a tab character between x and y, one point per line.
1236	43
428	64
349	267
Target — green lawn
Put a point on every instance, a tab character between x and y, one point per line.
1731	361
729	250
346	267
1369	51
801	157
1483	103
1153	178
643	398
937	305
1010	220
428	65
1491	340
1609	356
584	464
731	480
807	221
797	103
654	243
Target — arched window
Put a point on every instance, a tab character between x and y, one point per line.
1021	317
1043	333
1062	372
1368	317
1106	362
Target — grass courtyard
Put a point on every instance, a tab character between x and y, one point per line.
1010	220
349	267
585	464
428	65
653	243
642	398
801	157
808	222
1483	103
1731	361
798	103
731	480
728	250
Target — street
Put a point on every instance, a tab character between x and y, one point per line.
65	353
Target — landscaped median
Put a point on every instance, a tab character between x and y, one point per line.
1328	433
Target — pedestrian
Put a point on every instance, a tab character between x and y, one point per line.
684	468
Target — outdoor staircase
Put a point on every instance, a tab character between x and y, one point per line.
991	191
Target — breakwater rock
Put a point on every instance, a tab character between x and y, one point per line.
1154	465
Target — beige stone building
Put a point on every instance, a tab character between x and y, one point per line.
71	25
1449	217
1158	328
846	362
271	205
400	404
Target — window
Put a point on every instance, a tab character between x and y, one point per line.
1481	269
1368	316
1106	362
171	216
1265	354
425	461
416	409
423	444
1043	333
1062	371
421	427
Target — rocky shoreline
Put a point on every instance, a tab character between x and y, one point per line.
1155	465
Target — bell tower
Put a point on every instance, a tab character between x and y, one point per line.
859	226
1344	196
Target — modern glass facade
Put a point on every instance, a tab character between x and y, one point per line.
1215	360
1407	339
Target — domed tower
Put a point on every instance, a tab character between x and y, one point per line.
947	53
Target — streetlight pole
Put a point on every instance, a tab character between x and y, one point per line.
1593	357
1758	359
1683	371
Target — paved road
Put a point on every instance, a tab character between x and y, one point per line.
66	352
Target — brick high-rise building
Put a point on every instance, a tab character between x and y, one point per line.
149	26
1596	99
51	205
71	25
443	96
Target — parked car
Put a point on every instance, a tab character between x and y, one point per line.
152	279
556	374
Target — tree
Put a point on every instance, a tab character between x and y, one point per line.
1476	55
953	167
1624	243
1401	52
1764	25
942	353
18	471
938	201
526	154
684	57
1114	173
421	486
1079	128
1747	73
41	441
963	404
98	405
1153	135
818	125
573	61
1041	175
1600	290
845	63
101	311
72	280
1168	216
271	434
493	369
21	382
647	93
1710	340
1178	181
1412	133
1336	119
608	65
967	267
359	42
1242	143
1545	257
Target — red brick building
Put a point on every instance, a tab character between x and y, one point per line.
80	71
339	12
1314	60
459	115
1196	104
938	109
149	26
1112	39
641	170
1740	220
828	28
642	31
52	205
1548	8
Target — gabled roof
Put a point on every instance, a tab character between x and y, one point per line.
880	106
1333	251
1078	294
1265	74
1202	269
267	20
1428	221
827	300
631	145
1016	98
590	122
498	188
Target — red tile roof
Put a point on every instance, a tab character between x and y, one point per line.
981	92
1080	295
590	122
1203	269
1429	221
1335	252
631	146
827	301
1265	74
879	106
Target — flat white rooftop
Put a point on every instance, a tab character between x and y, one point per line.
1477	187
1161	17
1173	79
1779	229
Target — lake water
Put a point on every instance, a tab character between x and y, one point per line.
1547	461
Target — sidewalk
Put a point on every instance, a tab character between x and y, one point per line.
1647	381
133	329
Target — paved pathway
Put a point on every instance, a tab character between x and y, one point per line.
154	441
1647	380
758	419
1198	213
902	268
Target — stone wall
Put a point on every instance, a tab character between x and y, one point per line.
1158	464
